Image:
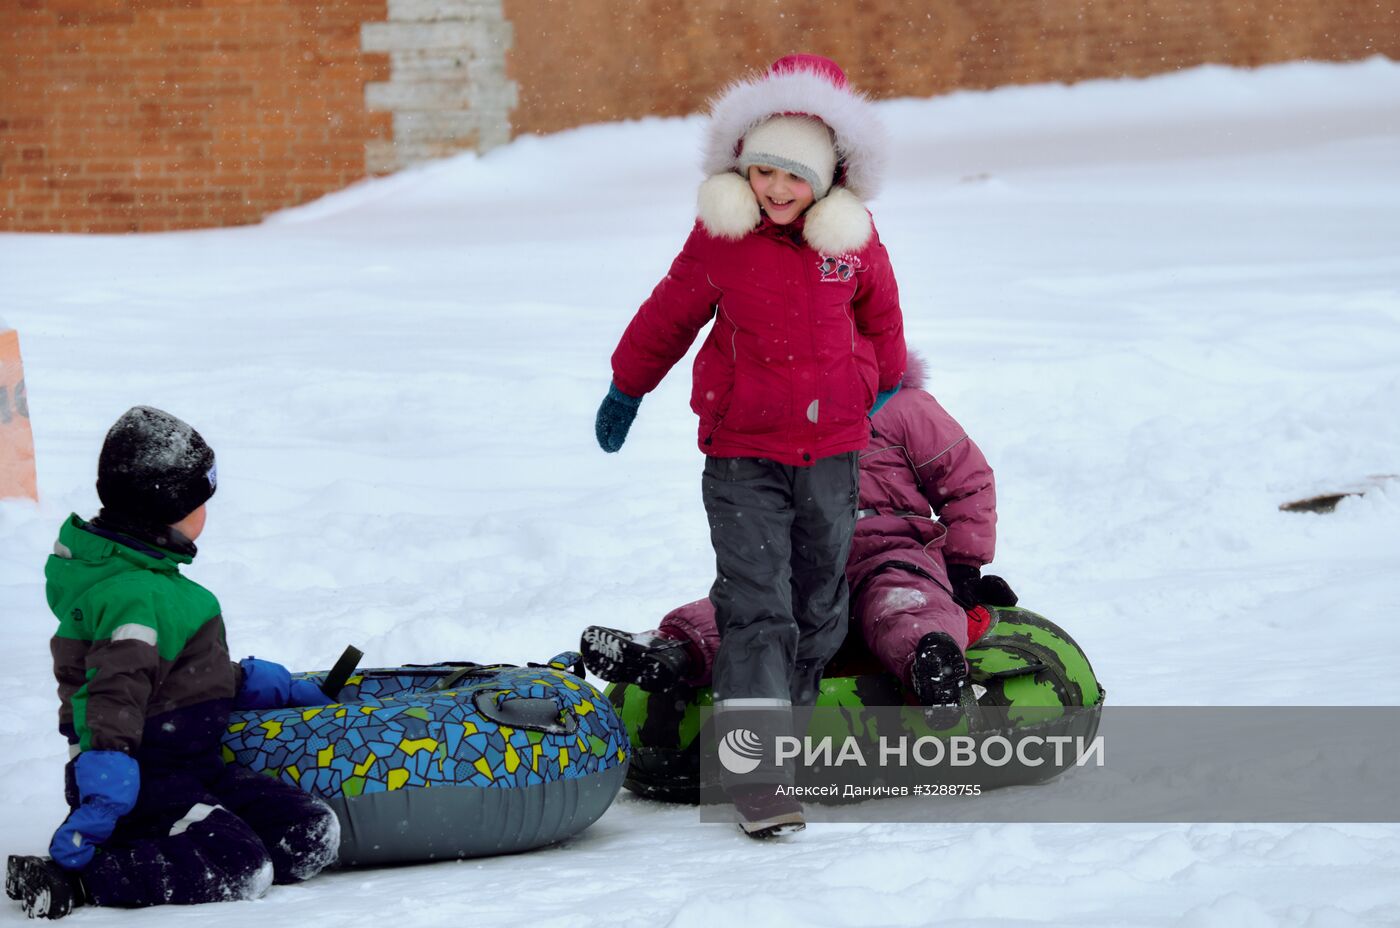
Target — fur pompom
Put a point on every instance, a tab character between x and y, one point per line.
727	206
915	371
838	224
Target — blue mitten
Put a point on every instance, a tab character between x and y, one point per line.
615	418
266	685
108	782
307	693
883	397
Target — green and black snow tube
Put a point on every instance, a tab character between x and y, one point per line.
1029	678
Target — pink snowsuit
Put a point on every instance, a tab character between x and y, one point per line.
920	464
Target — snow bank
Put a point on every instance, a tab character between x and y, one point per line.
1162	307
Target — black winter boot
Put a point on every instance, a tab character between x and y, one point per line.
939	671
43	888
766	813
647	659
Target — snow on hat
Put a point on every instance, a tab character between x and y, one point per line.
154	466
797	85
800	145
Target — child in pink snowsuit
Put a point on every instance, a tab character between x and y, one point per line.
926	526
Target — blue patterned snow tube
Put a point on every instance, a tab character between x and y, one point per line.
447	760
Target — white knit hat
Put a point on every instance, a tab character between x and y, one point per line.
800	145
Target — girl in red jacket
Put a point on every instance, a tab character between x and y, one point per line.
807	340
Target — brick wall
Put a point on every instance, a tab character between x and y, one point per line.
124	115
120	115
581	61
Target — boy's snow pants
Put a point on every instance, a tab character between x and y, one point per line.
209	834
781	536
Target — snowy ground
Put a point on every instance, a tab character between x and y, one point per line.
1162	307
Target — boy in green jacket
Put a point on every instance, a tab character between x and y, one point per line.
146	686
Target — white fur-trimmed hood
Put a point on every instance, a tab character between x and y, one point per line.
859	136
839	222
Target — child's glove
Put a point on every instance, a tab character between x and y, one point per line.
883	397
615	418
307	693
971	589
108	782
269	685
266	685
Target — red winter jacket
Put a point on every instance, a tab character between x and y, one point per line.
800	345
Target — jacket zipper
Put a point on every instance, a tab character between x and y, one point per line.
804	274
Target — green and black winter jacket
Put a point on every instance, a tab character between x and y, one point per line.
140	654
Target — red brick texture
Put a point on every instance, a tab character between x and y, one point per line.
581	61
144	115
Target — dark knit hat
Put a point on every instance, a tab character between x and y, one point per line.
155	467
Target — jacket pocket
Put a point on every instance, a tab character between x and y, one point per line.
761	399
868	370
712	385
848	386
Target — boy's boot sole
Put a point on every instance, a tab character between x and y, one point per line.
658	664
13	869
43	888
